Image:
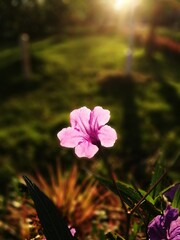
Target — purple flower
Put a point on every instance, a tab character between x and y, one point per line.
88	131
171	192
166	226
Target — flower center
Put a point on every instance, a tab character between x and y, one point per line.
94	138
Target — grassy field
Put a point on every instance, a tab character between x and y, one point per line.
68	73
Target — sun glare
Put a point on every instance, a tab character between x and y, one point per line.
119	4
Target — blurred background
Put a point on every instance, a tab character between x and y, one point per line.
60	55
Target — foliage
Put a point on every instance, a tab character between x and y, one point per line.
69	71
80	203
176	200
18	218
41	18
53	223
31	17
139	203
144	108
83	203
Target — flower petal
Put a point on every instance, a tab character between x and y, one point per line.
86	149
170	214
166	226
79	119
174	230
155	230
171	192
70	137
99	117
107	136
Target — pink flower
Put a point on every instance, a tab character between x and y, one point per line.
73	230
88	131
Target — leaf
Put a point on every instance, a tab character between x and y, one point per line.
162	187
176	200
53	223
131	196
158	172
113	236
175	160
169	192
135	229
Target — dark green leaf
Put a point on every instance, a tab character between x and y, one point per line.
158	172
176	200
54	225
164	191
175	160
135	230
162	187
131	196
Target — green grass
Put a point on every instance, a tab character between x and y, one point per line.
87	70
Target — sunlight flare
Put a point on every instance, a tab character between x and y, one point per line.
118	4
121	4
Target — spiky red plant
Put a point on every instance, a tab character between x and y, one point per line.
84	203
81	202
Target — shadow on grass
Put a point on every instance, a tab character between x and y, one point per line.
167	90
124	90
165	73
133	95
12	81
169	93
28	106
